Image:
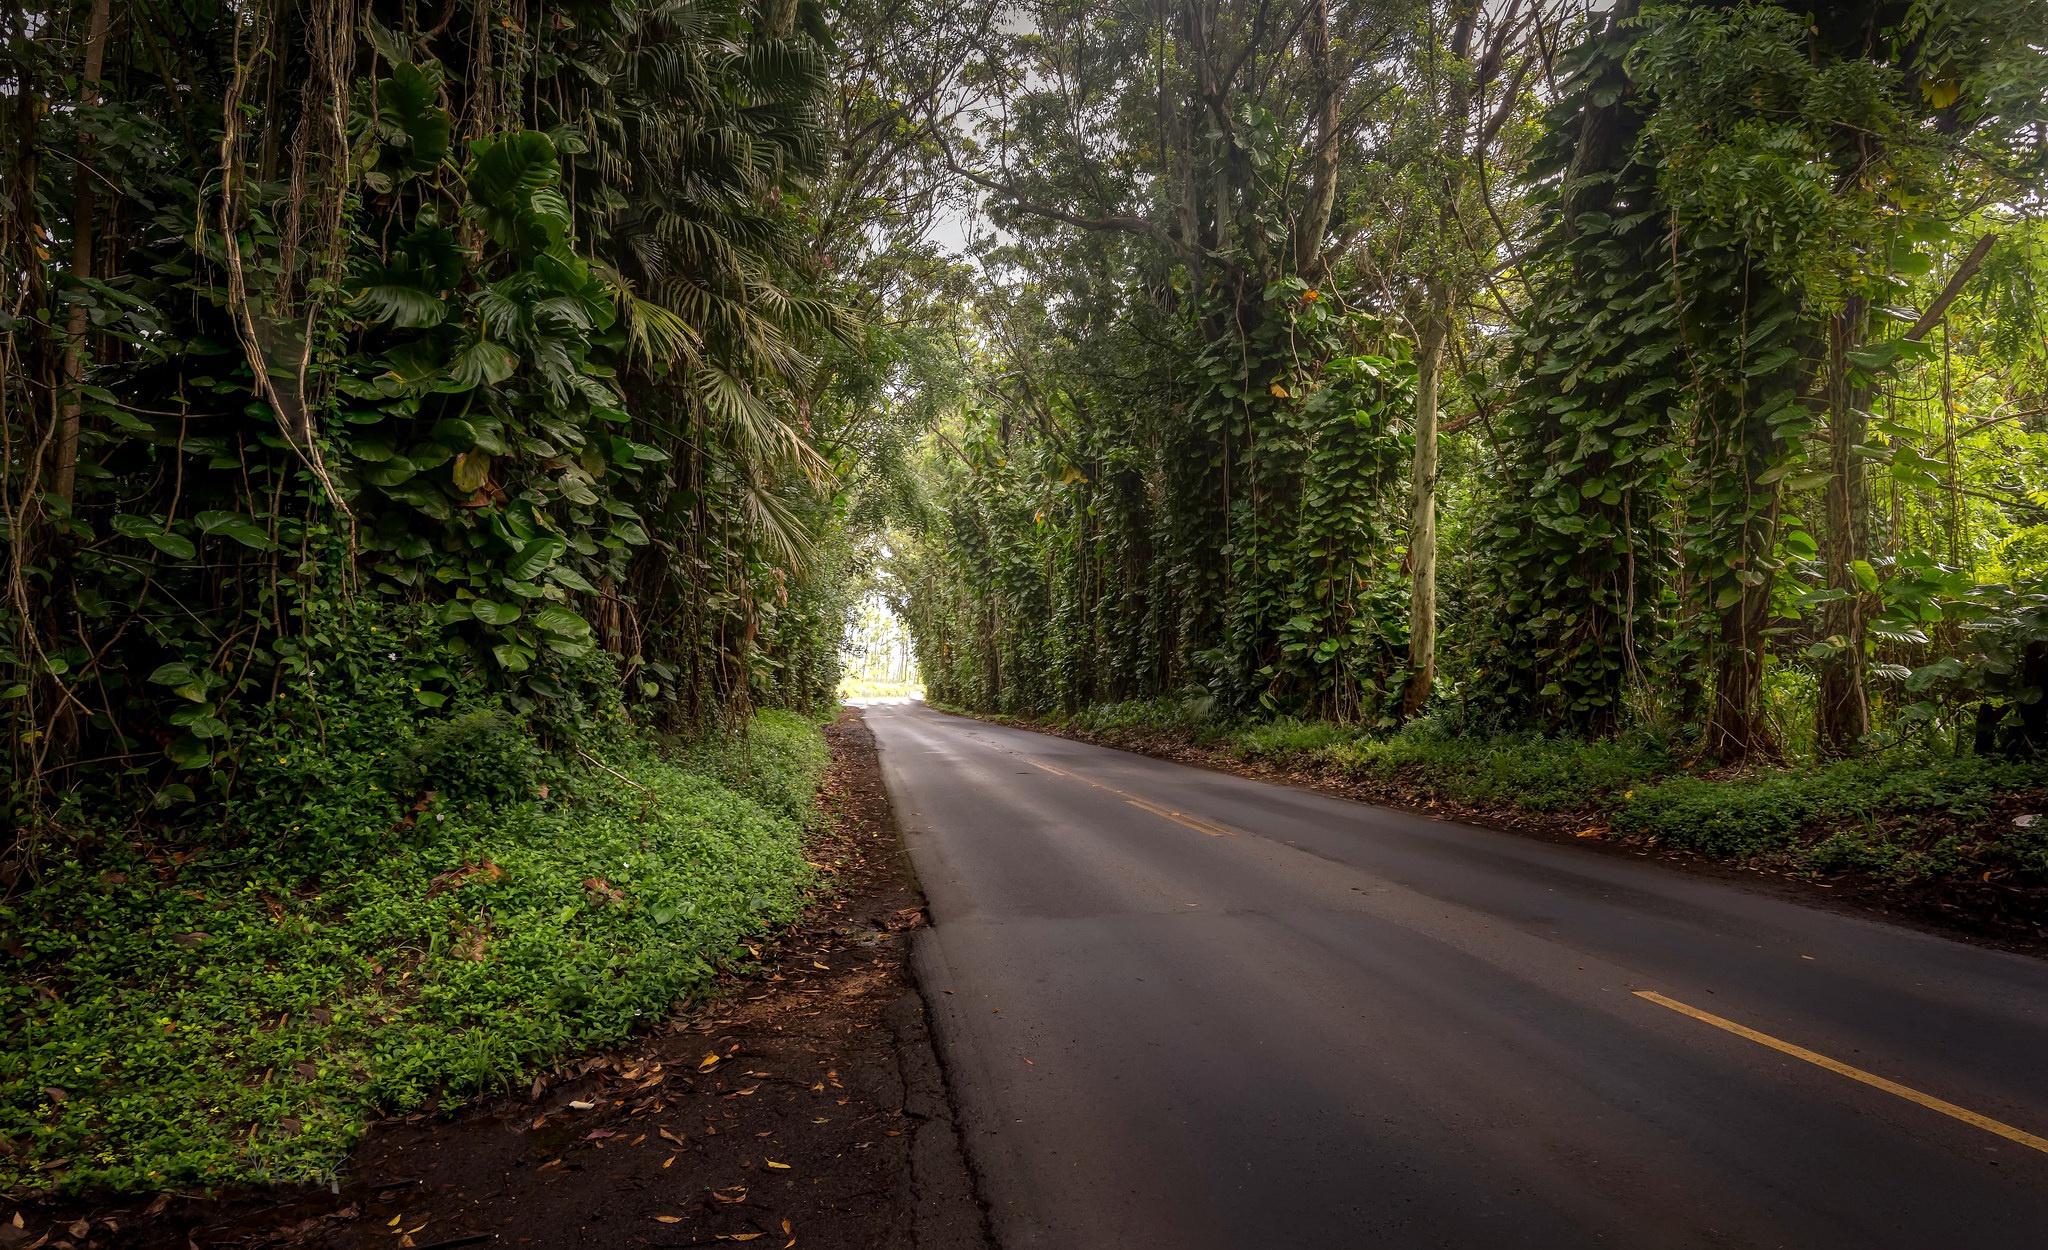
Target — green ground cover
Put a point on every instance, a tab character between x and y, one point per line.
412	911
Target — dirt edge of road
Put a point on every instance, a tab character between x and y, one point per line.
1949	911
802	1105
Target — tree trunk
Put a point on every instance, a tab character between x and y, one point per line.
1429	364
64	480
1843	711
1314	220
1737	730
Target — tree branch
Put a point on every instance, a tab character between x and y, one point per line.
1964	272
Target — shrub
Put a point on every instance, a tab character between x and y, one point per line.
392	907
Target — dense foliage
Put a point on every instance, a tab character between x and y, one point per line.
408	913
1706	336
438	437
510	314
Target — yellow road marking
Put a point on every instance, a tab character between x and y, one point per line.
1871	1079
1180	818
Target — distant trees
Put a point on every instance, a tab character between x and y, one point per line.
1696	279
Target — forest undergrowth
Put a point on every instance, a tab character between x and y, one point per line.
391	914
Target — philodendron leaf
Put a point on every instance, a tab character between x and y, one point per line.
535	558
411	118
483	363
558	620
493	613
406	307
471	470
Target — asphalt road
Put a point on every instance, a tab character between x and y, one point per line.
1180	1008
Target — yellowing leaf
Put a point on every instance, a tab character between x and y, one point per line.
1280	392
710	1062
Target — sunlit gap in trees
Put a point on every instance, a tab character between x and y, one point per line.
878	665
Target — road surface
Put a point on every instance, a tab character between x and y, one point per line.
1185	1009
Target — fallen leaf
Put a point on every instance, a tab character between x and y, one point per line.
737	1236
394	1221
669	1219
816	964
710	1062
667	1161
580	1105
539	1120
322	1016
738	1193
599	1134
80	1229
668	1136
779	1166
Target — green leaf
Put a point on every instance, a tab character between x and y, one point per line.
491	612
482	363
406	307
505	178
535	558
176	546
410	117
188	752
556	619
176	673
1866	576
472	469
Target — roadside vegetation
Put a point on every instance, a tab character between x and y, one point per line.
1902	816
440	447
392	914
444	445
1634	411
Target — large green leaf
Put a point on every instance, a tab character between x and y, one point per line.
511	182
410	118
482	363
532	561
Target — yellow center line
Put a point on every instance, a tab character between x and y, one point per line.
1871	1079
1180	818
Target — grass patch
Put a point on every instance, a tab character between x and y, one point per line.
415	911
